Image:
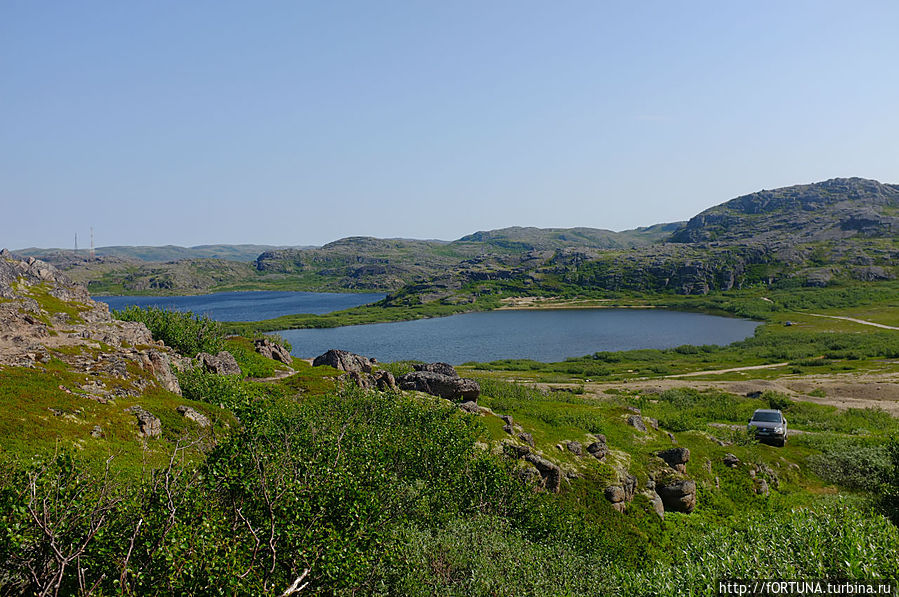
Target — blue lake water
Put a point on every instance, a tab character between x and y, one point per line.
248	306
546	335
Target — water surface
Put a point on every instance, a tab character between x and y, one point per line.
248	306
541	335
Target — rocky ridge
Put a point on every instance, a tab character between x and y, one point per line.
44	316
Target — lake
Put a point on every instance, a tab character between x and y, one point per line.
248	306
544	335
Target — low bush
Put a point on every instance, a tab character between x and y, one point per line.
187	333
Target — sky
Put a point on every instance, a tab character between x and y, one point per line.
301	122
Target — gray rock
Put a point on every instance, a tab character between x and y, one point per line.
676	458
272	350
526	438
761	487
148	424
656	502
194	415
636	421
437	384
344	361
97	432
731	461
598	450
678	495
575	448
222	364
551	473
441	368
470	407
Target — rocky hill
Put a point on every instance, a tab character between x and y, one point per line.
69	370
806	234
826	211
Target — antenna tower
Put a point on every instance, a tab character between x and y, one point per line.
92	242
76	242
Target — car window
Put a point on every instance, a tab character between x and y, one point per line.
766	417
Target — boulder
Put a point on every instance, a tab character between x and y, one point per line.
272	350
731	461
148	424
441	368
575	448
223	363
344	361
194	415
551	473
437	384
678	495
470	407
598	450
526	438
676	458
636	421
761	487
620	495
160	366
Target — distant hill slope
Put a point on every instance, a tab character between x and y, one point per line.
824	211
161	253
840	229
517	237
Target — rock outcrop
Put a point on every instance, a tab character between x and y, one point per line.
148	424
194	415
272	350
45	315
678	495
440	379
223	363
378	380
344	361
676	458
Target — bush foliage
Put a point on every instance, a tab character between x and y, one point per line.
187	333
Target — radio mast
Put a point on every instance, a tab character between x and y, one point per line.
92	242
76	242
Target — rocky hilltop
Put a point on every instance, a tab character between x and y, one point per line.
44	316
827	211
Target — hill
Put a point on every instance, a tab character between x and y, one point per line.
833	210
147	253
814	234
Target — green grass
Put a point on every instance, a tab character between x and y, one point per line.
38	417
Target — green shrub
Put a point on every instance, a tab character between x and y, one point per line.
187	333
777	400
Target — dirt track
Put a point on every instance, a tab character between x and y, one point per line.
841	390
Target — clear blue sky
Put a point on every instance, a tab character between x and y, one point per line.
303	122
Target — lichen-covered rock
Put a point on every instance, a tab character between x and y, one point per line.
619	495
731	461
441	368
526	438
194	415
676	458
575	447
636	421
470	407
344	361
598	450
551	473
272	350
223	363
678	495
148	424
437	384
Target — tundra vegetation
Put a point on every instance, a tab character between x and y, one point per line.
397	493
289	478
